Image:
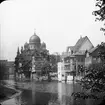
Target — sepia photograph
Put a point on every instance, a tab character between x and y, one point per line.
52	52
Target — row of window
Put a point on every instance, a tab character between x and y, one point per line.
80	59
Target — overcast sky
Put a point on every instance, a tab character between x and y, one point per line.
58	23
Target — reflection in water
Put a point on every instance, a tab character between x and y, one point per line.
52	93
33	94
64	93
61	92
39	98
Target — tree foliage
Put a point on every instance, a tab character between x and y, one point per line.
100	13
50	64
102	51
95	73
95	77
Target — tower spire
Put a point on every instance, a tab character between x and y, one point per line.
18	52
21	49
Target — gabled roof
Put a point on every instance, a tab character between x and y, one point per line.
93	49
70	47
78	44
97	47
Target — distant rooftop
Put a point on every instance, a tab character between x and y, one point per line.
78	44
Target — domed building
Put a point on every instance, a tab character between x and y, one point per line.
43	45
26	46
34	42
31	56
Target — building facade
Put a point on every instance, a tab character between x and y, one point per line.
29	59
6	69
11	69
75	59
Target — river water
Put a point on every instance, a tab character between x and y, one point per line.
46	93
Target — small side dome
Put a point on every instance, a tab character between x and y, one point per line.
43	45
25	45
34	39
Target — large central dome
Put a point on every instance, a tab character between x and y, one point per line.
34	39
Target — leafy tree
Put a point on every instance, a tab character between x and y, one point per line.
95	77
100	13
102	51
46	69
51	62
50	65
95	73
